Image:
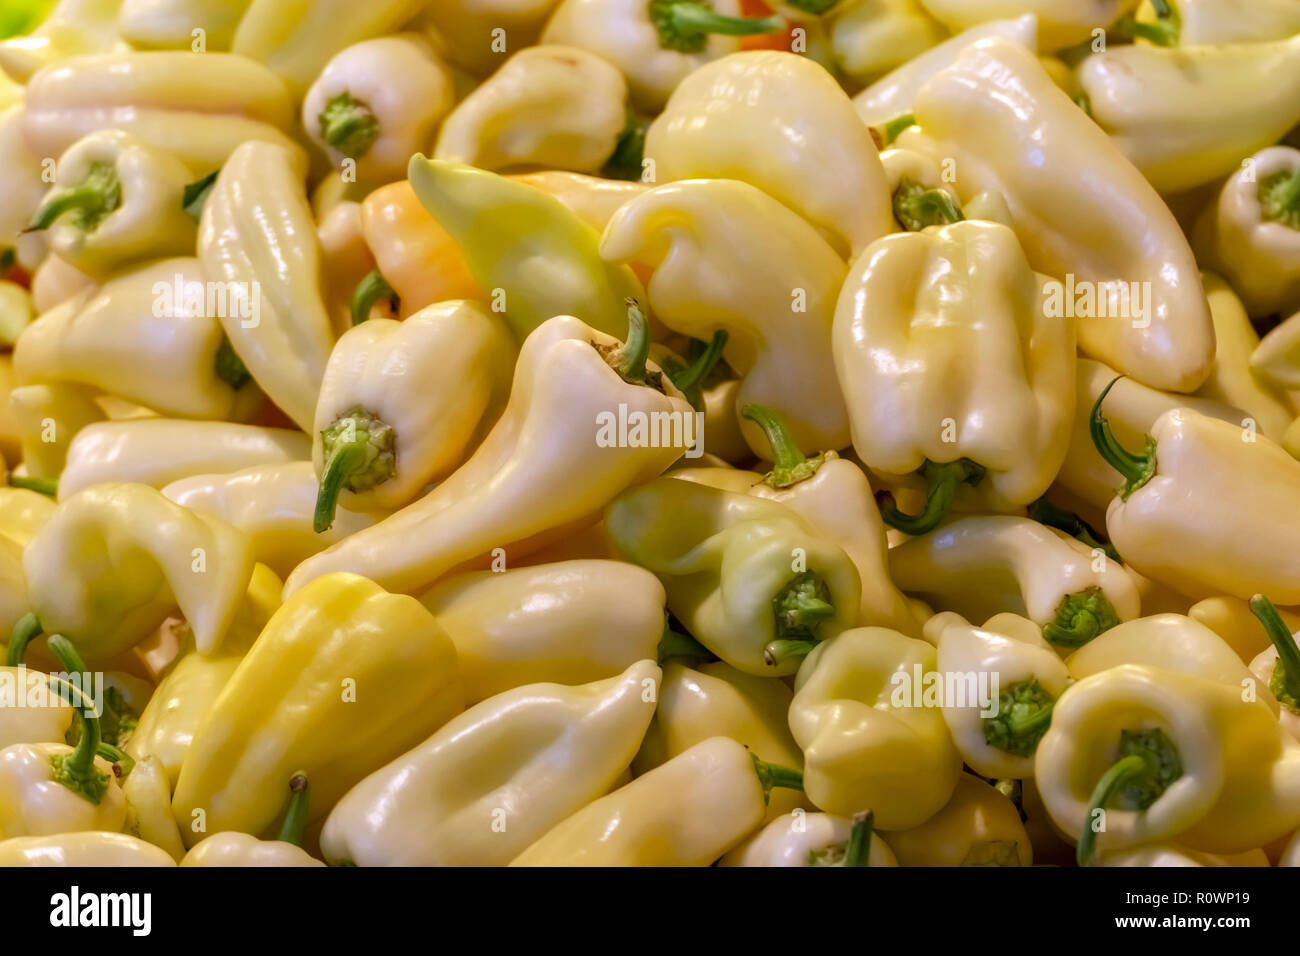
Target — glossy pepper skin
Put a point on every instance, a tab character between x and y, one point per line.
565	622
72	27
749	578
168	24
1060	22
545	447
799	838
231	848
1010	129
866	743
58	412
344	678
726	256
148	795
771	119
686	812
1278	667
496	778
979	826
914	310
86	849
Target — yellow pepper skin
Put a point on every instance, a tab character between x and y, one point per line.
158	451
73	27
54	282
1010	130
82	850
256	230
1203	22
114	202
865	741
1061	23
978	827
169	24
1251	232
776	306
536	255
551	106
377	102
240	849
465	29
1173	855
911	312
48	417
771	117
344	678
569	622
16	311
799	838
496	778
115	559
24	185
296	40
33	802
1232	619
201	106
872	37
148	795
141	339
1029	676
735	480
749	579
592	198
187	691
686	812
984	565
891	96
21	724
545	447
401	403
1140	94
22	513
274	505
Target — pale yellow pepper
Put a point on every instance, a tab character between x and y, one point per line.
1209	22
47	418
799	838
1061	23
73	27
172	24
88	849
871	37
978	827
148	794
1232	619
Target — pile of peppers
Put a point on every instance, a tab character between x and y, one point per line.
650	432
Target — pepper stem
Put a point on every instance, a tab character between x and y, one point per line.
359	454
1279	198
348	125
1288	655
789	465
26	630
693	375
230	367
295	815
629	361
1080	617
77	770
1119	774
772	775
116	756
916	207
1136	470
685	25
44	486
369	291
942	479
90	200
1044	512
887	132
676	644
858	850
780	651
800	608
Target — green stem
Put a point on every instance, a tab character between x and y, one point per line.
346	459
685	25
45	486
348	125
77	771
630	360
779	651
917	208
816	7
1288	655
1080	617
889	131
858	850
359	453
1044	512
369	291
1119	774
693	375
789	465
676	644
116	756
1136	470
230	367
91	200
195	195
1038	718
772	775
295	816
26	630
942	479
626	162
1279	198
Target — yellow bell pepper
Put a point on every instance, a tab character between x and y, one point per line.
997	739
1202	506
344	678
73	27
978	827
1232	619
909	317
21	688
115	200
1145	97
570	622
1207	22
145	336
22	513
496	778
197	106
186	692
170	24
556	442
82	850
798	838
921	198
473	35
115	559
54	282
1084	216
402	403
550	106
872	37
1061	23
868	742
749	579
984	565
47	418
148	795
764	117
686	812
377	102
240	849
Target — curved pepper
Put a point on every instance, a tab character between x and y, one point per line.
344	678
867	742
686	812
985	565
1080	210
88	849
148	795
554	443
115	200
377	102
401	404
979	826
749	579
169	24
1208	22
1061	23
593	199
537	258
550	106
765	117
241	849
54	412
1021	667
569	622
913	310
115	559
496	778
814	839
